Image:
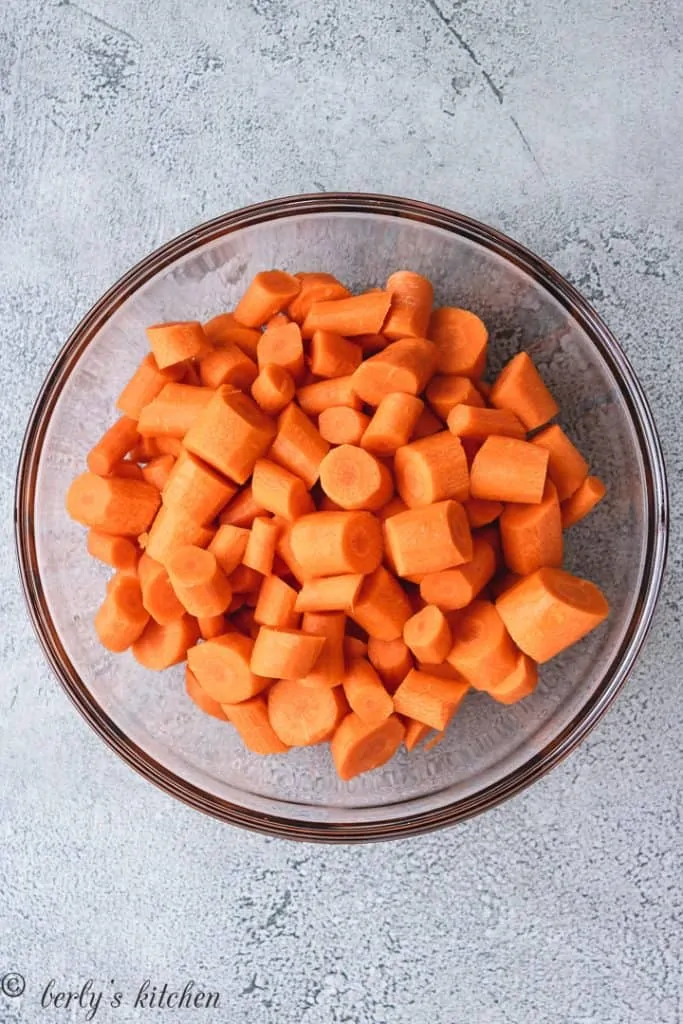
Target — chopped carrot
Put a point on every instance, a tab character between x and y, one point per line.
452	589
279	320
245	580
196	490
276	605
404	366
230	434
354	648
331	355
428	635
335	543
159	646
191	374
567	467
273	389
392	508
519	684
112	504
461	339
444	392
157	470
427	424
114	444
315	288
144	385
211	626
381	607
506	469
166	445
145	450
393	423
532	534
250	718
480	512
315	398
359	314
391	659
298	446
371	343
415	733
119	552
286	553
158	596
242	510
172	528
199	582
128	470
483	652
175	409
227	365
328	670
261	545
550	610
222	667
282	346
432	469
411	304
355	479
285	653
329	593
582	501
429	698
357	747
302	716
228	546
121	617
279	491
269	292
201	699
520	388
225	330
470	421
340	424
428	539
172	343
365	692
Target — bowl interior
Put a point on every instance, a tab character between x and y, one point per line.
486	742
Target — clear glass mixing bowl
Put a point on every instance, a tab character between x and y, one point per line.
491	751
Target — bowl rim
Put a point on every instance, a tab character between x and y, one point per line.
642	420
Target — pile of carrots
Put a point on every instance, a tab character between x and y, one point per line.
319	503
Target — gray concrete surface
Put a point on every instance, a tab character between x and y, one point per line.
124	123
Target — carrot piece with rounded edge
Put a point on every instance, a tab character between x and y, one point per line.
201	699
354	648
251	721
432	469
261	545
121	617
331	355
520	388
196	490
269	292
315	398
286	553
358	747
329	593
119	552
415	733
158	595
336	543
427	425
461	339
172	528
550	610
222	667
282	346
358	314
127	470
158	470
392	508
298	446
531	535
174	342
355	479
428	635
404	366
480	512
453	589
302	716
279	491
245	580
159	646
483	651
143	386
316	287
506	469
391	659
228	546
444	392
227	365
224	330
175	409
242	510
429	698
365	692
285	653
211	626
411	304
273	389
393	423
114	444
112	504
381	608
567	467
471	421
276	605
231	433
582	501
428	539
341	424
328	670
521	682
279	320
200	584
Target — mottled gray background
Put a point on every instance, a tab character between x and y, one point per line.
124	123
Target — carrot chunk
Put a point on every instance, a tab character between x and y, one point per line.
520	388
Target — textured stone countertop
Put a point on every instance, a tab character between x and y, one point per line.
125	123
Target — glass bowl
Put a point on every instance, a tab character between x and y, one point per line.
491	751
